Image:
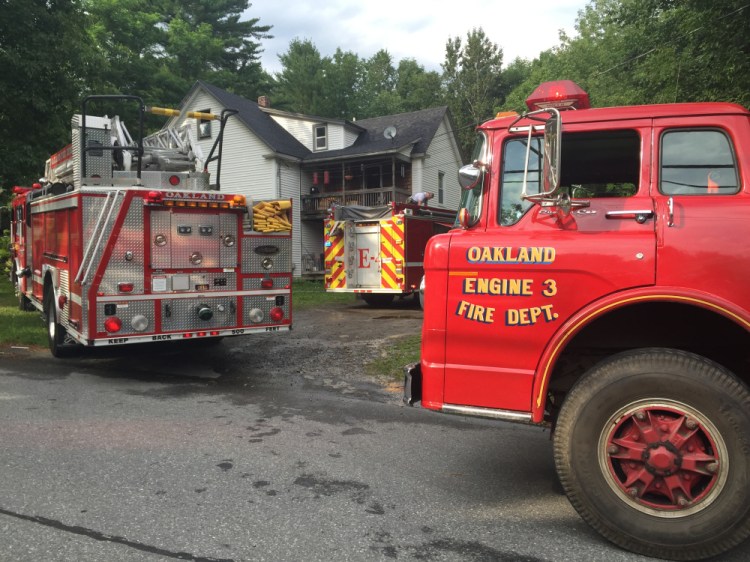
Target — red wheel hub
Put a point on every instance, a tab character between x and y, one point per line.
662	458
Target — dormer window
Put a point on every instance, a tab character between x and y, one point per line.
320	137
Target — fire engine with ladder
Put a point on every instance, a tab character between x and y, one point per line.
125	241
378	252
597	285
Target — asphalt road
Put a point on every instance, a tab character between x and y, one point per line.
211	454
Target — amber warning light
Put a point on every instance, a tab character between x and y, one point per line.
561	94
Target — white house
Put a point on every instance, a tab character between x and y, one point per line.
318	162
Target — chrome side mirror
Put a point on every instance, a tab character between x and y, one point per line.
470	175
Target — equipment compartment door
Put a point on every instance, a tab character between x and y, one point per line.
367	256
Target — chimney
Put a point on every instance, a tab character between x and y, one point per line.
264	101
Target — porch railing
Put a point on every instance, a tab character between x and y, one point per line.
317	206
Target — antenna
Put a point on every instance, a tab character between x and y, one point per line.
390	132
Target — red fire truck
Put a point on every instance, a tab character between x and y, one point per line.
597	285
124	241
378	252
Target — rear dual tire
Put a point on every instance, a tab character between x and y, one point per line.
652	448
56	331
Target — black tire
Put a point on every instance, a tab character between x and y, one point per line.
378	300
55	331
634	427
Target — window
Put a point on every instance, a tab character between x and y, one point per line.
441	184
204	126
697	162
320	137
471	199
593	165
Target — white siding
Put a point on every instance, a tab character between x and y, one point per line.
288	175
350	136
302	130
244	170
443	156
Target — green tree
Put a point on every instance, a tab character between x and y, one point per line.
378	94
652	51
46	58
472	77
299	84
156	49
417	88
341	82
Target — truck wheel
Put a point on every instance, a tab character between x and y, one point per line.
652	448
55	331
377	300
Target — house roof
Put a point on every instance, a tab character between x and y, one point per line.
416	128
250	113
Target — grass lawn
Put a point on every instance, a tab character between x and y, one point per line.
391	363
16	326
310	294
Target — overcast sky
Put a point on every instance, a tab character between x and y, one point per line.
412	29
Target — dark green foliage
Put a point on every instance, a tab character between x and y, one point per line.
46	57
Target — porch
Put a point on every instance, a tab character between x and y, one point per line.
369	183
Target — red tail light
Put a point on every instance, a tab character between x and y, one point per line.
112	324
276	314
266	283
125	287
174	180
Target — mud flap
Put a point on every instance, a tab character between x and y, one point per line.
412	383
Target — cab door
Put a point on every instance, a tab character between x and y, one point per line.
703	207
514	284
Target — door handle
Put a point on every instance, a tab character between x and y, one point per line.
640	216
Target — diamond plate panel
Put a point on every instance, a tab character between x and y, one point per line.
161	223
65	290
226	281
256	248
189	234
265	303
253	283
93	207
193	181
182	314
129	243
126	311
228	226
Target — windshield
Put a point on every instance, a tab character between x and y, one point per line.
471	199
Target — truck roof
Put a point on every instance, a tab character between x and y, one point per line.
630	112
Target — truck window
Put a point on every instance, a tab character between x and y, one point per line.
471	199
697	162
594	165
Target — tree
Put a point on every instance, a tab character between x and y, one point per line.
298	85
46	56
652	51
378	95
417	88
472	77
156	49
341	82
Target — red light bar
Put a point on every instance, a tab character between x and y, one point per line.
561	94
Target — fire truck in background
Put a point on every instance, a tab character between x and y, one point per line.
378	252
597	285
124	241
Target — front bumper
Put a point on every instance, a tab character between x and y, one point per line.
412	383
